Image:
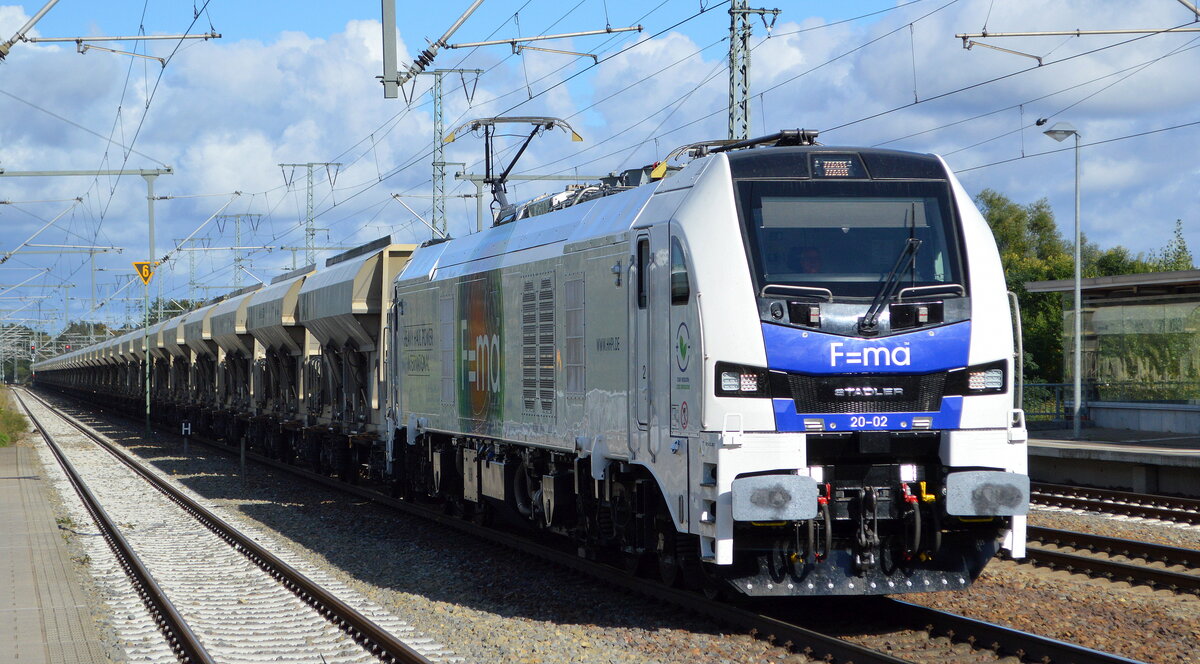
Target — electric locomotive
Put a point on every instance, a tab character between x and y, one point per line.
782	370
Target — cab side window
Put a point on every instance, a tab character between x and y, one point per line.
680	290
643	263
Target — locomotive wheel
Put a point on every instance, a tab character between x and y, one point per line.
687	554
710	584
620	512
604	529
670	568
781	560
634	563
480	513
671	548
527	493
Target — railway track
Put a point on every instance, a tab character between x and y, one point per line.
918	630
175	630
988	640
250	600
1149	506
1095	555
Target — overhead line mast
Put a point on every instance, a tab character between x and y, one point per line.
310	229
438	220
237	248
739	66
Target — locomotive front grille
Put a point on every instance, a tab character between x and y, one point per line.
862	393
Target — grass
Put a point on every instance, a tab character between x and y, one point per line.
12	423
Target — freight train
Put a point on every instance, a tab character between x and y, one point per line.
784	369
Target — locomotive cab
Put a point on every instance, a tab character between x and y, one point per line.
869	443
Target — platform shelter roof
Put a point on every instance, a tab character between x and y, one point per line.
1125	285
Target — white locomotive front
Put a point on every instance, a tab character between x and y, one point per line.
785	370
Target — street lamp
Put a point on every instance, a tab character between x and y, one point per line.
1059	132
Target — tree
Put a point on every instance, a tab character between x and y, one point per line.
82	327
1175	256
166	308
17	345
1119	260
1031	249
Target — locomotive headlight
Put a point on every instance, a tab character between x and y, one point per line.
979	379
740	381
730	381
992	379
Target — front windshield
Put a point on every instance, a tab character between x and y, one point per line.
846	236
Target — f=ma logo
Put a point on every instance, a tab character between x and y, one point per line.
872	356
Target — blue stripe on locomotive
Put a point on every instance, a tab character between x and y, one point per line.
923	351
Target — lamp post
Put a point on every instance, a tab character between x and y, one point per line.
1059	132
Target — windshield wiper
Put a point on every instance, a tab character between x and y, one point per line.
869	324
947	289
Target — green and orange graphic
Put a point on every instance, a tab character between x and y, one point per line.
480	354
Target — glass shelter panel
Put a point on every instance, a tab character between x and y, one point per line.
1138	349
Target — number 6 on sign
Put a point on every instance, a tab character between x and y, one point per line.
145	271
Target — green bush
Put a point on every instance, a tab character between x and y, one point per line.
12	423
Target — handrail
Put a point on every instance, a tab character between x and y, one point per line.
825	292
962	292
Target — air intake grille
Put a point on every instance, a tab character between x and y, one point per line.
862	394
537	346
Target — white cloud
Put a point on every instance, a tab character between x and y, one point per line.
227	111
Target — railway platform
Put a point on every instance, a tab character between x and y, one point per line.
44	616
1140	461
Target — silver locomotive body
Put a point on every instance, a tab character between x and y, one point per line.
719	372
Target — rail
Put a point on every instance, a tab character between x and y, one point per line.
1003	640
779	627
374	638
1113	569
1166	508
179	635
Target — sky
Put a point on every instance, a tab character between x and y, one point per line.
297	83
